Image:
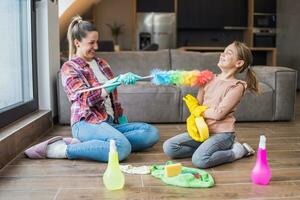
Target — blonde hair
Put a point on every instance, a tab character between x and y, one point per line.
77	30
244	53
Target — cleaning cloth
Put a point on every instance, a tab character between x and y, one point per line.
129	169
189	177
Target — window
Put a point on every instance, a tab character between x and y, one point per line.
18	79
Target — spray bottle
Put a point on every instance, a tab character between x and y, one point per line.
261	173
113	178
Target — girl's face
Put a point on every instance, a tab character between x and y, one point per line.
229	58
86	48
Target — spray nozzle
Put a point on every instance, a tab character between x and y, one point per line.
112	145
262	141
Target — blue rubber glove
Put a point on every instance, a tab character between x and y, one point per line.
115	80
129	78
123	119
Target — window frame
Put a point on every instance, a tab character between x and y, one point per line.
13	114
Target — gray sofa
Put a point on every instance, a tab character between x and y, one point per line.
163	104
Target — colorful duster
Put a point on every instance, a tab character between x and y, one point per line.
178	77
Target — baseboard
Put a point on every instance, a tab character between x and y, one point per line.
18	136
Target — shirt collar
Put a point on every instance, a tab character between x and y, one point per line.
80	61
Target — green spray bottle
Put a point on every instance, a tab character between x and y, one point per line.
113	178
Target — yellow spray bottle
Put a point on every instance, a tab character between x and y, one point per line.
113	178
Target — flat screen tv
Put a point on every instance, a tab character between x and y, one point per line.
265	6
212	14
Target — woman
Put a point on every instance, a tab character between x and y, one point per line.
96	116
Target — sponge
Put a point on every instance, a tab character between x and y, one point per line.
173	169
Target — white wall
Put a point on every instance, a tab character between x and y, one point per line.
288	28
47	54
63	5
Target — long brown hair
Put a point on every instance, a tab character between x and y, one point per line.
244	53
78	30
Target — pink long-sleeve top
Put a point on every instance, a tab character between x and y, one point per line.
222	97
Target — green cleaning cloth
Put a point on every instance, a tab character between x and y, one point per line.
189	177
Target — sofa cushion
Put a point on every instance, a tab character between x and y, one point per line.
140	63
150	103
64	106
251	108
187	60
141	102
283	81
257	107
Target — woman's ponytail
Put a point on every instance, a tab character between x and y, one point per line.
72	48
77	30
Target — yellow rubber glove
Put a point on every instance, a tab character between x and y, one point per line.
191	102
192	128
198	111
196	126
193	105
202	128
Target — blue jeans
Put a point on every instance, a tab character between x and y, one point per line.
214	151
95	139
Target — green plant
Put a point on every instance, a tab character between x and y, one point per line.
116	30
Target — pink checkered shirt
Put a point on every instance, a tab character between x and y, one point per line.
76	75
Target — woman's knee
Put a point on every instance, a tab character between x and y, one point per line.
123	148
97	150
151	135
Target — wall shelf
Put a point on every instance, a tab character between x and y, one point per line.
235	28
267	14
191	33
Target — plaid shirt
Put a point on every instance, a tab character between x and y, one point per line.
76	75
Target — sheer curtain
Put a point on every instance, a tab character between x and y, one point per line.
18	70
16	79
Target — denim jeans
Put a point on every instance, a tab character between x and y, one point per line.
95	139
214	151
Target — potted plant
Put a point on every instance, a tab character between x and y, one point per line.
116	30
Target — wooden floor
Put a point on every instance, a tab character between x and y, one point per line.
64	179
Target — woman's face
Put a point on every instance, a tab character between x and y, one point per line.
86	48
229	58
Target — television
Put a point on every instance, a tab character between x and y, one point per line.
265	6
155	6
212	14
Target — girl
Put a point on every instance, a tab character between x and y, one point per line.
96	116
221	95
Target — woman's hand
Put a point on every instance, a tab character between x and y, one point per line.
123	119
112	84
129	78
